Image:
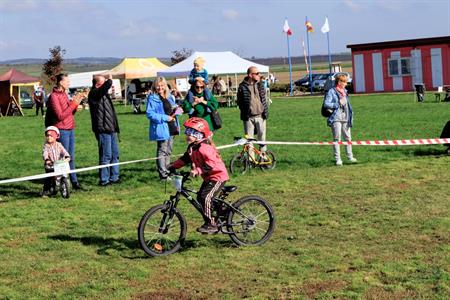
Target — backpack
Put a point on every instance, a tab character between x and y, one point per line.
326	112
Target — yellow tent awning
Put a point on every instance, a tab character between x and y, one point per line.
131	68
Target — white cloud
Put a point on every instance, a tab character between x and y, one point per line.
174	36
138	29
18	6
4	45
201	38
230	14
350	4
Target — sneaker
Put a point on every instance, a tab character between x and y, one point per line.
77	186
207	229
104	183
353	160
45	194
339	163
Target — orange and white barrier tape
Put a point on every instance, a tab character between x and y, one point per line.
411	142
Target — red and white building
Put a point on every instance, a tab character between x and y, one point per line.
398	65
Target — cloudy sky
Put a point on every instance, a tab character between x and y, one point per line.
133	28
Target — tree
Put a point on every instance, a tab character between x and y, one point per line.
53	66
180	55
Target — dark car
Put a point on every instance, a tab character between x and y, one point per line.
25	100
303	82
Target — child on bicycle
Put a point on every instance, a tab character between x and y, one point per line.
205	161
51	152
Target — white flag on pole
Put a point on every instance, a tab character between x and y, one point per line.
325	28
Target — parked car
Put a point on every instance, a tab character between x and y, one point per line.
25	100
303	83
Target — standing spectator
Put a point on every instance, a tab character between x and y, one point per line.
341	119
223	86
251	99
39	100
202	103
105	127
230	84
60	113
163	123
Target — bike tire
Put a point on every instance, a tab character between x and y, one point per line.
64	188
239	164
257	224
156	243
273	161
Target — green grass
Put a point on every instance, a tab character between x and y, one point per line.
375	230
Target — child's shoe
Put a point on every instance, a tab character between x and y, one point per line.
207	229
339	163
353	160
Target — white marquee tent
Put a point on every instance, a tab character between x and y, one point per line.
215	63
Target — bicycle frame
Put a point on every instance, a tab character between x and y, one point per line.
248	147
173	201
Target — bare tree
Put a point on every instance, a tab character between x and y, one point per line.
53	66
180	55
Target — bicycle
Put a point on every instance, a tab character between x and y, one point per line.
250	157
162	229
60	182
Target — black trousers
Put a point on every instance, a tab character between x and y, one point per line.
205	195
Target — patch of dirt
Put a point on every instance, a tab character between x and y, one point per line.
379	293
164	295
312	289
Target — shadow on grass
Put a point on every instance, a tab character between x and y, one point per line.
19	192
124	245
105	244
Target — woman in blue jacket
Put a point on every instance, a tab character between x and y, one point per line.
163	123
341	120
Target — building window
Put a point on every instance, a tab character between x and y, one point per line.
399	67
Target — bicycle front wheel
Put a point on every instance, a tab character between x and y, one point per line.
269	162
253	221
161	231
64	188
239	164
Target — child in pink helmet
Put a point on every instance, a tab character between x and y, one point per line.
205	160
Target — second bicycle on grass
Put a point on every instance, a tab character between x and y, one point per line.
251	157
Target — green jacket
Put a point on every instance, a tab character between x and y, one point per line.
200	110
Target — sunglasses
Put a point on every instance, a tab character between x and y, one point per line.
255	73
199	87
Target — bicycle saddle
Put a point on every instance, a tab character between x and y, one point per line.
229	188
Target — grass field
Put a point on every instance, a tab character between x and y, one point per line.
379	229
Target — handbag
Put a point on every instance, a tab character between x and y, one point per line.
216	120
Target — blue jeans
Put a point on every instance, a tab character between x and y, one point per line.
67	139
108	153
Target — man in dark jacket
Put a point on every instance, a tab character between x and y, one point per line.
106	127
251	99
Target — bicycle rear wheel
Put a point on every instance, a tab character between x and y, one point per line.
269	162
253	222
161	232
239	164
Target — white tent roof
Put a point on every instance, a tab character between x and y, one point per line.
82	79
215	63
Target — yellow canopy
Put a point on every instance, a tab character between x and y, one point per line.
131	68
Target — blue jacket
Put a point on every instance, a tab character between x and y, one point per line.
159	130
332	101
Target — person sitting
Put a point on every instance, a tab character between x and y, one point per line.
205	161
198	70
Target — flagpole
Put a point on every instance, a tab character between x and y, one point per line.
290	65
309	58
328	43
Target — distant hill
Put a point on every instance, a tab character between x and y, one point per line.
270	61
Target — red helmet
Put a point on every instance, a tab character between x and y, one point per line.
200	125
